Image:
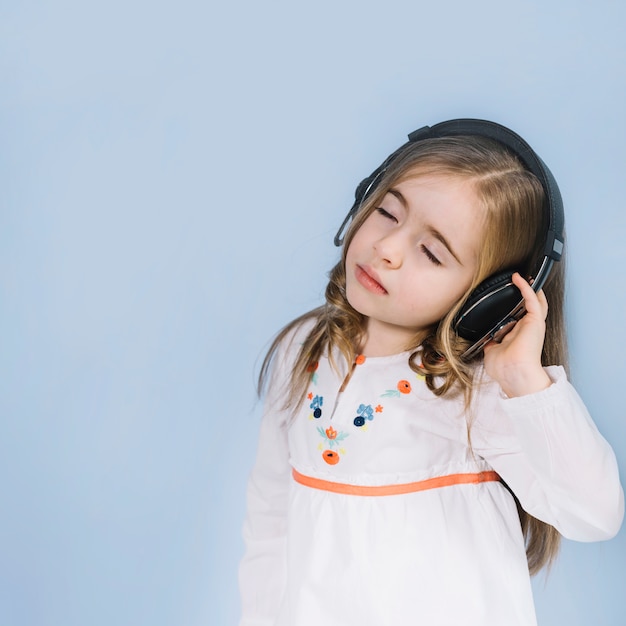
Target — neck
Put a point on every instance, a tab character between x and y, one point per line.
385	340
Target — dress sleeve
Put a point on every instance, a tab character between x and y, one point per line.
547	449
262	572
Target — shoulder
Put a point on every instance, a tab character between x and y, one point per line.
283	353
289	340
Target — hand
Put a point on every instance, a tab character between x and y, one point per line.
515	363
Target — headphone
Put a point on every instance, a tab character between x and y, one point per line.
494	307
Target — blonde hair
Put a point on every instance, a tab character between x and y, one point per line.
514	236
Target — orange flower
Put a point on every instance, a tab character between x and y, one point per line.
379	409
310	395
311	367
360	359
332	458
404	386
331	433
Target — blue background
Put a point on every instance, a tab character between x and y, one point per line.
171	178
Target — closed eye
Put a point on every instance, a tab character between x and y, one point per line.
430	256
386	214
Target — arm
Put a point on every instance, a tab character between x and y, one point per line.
548	450
262	572
541	439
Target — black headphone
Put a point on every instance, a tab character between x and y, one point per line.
494	307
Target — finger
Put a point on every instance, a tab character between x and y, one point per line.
489	346
521	283
543	303
535	303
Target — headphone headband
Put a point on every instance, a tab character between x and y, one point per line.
494	307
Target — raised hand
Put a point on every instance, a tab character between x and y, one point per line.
515	363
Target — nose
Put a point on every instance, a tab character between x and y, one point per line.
390	250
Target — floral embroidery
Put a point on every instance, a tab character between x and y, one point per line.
331	437
364	412
316	405
403	387
331	457
312	369
331	433
379	408
360	359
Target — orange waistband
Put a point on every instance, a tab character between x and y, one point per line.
394	490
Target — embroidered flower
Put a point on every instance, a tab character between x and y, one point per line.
331	436
316	405
379	408
312	369
331	457
360	359
310	395
364	412
403	387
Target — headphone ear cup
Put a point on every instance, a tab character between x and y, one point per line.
487	305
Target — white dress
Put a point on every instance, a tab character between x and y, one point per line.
346	548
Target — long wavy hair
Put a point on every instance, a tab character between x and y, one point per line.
514	235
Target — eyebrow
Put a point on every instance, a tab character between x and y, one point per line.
433	231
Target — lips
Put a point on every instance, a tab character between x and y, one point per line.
368	278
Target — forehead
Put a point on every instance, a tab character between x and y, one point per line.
445	191
444	203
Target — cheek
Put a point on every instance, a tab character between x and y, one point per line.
350	252
456	290
439	294
356	242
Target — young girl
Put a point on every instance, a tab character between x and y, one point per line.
416	462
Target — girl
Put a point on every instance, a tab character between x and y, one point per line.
415	462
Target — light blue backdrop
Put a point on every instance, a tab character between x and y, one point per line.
171	177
